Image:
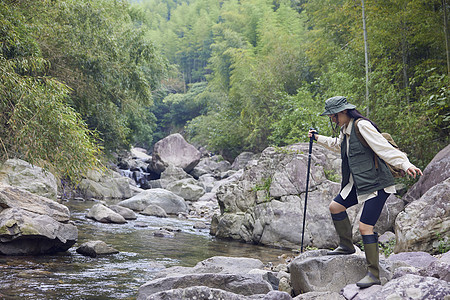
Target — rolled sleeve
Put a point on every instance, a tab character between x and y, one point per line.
331	143
382	147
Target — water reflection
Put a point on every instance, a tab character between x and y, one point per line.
73	276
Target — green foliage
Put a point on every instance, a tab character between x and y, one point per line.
271	65
444	244
264	186
97	49
297	114
175	109
36	123
257	63
183	32
332	175
388	248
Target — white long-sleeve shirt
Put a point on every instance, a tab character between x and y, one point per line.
377	143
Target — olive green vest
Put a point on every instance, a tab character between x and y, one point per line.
361	163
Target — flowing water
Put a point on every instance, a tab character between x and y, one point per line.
73	276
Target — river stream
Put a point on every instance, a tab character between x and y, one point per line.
73	276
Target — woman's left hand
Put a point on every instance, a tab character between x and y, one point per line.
413	171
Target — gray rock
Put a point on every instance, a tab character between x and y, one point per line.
140	153
171	174
272	295
107	185
414	287
216	264
386	238
285	285
437	171
353	292
239	284
200	225
417	226
95	248
187	189
329	273
211	165
13	197
154	210
265	204
415	259
23	175
103	214
171	203
402	271
196	292
242	160
27	233
127	213
164	233
207	181
320	296
438	269
174	150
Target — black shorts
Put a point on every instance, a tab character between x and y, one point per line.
372	207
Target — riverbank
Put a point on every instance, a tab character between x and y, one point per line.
142	255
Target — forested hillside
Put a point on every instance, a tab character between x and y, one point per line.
270	65
79	78
76	81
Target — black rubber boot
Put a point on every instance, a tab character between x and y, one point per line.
372	257
344	231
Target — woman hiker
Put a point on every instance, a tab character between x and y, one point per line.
365	178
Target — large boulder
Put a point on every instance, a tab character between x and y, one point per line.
246	285
174	150
106	185
170	202
127	213
242	160
203	292
26	233
96	248
211	165
437	171
12	197
23	175
424	225
315	272
187	189
412	286
266	203
219	274
171	174
216	264
103	214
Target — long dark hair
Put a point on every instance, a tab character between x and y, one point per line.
355	114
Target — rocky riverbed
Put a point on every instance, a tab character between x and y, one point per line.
179	193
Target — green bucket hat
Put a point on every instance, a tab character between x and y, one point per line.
336	104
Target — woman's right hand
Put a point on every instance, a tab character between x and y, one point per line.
313	134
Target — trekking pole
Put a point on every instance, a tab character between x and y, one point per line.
311	140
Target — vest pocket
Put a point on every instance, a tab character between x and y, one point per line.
363	166
365	175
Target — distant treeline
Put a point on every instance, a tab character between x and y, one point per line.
260	70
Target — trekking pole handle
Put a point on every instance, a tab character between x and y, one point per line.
313	132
